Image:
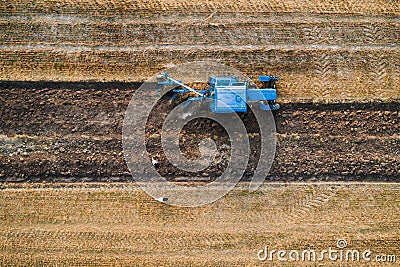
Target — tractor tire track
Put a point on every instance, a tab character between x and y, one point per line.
381	74
373	33
323	70
308	205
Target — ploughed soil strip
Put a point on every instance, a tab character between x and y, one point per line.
60	131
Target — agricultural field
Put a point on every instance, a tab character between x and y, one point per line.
322	50
68	70
118	224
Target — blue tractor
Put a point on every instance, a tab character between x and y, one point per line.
226	94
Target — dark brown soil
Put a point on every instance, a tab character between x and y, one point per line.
72	132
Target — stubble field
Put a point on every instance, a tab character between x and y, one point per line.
119	225
322	50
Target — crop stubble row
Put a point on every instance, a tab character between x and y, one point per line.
123	7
